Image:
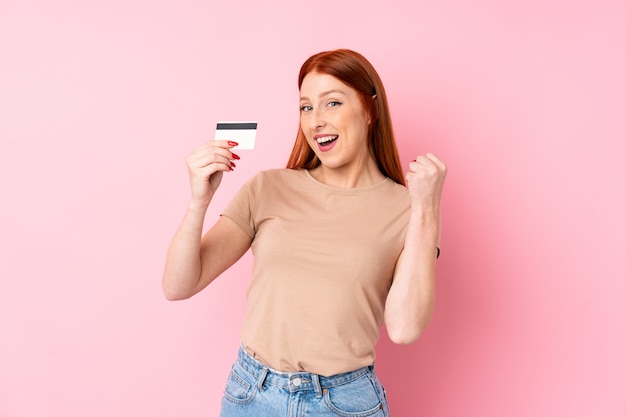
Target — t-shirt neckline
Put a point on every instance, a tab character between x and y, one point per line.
345	189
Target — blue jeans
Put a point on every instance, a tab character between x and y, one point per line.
254	390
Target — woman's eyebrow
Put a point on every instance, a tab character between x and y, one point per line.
325	93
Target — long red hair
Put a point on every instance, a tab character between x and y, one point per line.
354	70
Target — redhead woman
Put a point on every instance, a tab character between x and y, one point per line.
343	242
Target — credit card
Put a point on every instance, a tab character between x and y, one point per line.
244	133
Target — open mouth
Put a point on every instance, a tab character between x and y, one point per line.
326	140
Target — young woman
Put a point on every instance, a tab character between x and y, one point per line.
341	245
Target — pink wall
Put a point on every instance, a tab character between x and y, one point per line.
100	102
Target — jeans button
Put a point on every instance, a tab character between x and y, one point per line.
296	382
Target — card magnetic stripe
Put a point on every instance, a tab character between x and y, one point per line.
236	126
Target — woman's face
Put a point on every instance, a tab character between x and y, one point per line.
333	121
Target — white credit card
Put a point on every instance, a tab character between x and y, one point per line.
244	133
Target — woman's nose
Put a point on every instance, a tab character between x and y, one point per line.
317	119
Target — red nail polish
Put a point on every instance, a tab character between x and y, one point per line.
232	164
235	156
231	143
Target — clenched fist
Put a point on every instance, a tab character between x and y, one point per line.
425	181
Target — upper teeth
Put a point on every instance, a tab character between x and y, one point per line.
325	139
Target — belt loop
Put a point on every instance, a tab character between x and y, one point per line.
262	377
316	385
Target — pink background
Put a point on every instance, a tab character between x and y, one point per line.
100	102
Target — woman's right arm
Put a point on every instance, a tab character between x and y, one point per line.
194	261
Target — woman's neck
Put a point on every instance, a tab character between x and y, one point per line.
349	176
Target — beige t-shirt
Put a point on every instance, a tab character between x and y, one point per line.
323	263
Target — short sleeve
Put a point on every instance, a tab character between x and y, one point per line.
241	207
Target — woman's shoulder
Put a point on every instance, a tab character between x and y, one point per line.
277	177
280	174
396	193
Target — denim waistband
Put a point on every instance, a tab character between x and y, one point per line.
295	381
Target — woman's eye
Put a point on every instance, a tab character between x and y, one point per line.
334	104
306	108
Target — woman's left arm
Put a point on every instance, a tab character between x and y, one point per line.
411	299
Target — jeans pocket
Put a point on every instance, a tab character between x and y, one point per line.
359	398
240	387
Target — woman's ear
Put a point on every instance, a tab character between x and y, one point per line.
374	112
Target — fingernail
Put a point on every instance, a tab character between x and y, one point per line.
235	156
231	143
232	164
